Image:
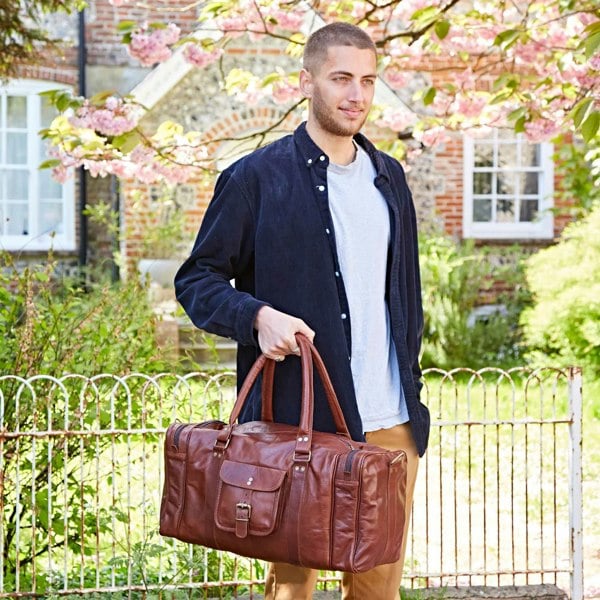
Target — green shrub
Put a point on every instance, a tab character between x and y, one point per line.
563	323
52	324
455	278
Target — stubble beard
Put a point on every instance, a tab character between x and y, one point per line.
326	119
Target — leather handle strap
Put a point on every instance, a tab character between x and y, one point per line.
334	405
308	355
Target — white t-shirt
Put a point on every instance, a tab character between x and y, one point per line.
362	230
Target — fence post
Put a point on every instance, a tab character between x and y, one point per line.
575	482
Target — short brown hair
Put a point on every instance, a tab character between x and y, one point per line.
334	34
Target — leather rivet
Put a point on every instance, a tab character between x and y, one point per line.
303	468
300	439
305	438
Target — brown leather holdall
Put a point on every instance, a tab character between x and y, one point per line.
284	493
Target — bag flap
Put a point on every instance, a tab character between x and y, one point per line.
251	477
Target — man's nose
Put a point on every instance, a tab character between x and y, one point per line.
356	92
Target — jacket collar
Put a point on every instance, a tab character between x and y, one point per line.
313	155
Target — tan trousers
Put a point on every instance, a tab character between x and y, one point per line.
289	582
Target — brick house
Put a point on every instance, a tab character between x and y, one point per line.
496	190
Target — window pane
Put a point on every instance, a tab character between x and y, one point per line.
482	183
17	185
505	210
50	189
48	112
529	183
529	210
17	218
530	155
484	155
51	217
506	184
16	111
482	210
16	148
507	156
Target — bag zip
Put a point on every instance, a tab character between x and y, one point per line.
177	434
348	464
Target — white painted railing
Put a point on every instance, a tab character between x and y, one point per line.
498	499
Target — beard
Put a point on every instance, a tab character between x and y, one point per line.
330	121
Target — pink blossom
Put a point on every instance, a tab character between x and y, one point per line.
114	118
396	119
196	55
233	26
61	173
151	47
397	78
292	21
470	107
432	137
541	130
284	92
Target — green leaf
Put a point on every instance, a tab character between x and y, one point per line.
63	101
581	110
429	96
49	164
592	28
517	114
126	142
589	128
442	28
100	98
505	39
502	96
428	13
125	26
520	124
591	44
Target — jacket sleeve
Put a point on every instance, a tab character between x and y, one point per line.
224	250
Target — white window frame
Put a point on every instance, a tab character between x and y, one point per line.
541	228
34	241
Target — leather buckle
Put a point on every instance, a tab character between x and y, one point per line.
243	511
298	457
220	446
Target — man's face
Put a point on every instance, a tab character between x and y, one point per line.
341	90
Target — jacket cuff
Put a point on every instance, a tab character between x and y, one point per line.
245	321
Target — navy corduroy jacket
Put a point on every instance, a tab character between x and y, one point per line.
269	228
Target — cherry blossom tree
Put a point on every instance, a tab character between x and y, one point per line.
531	65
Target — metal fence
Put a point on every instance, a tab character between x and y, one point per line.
498	499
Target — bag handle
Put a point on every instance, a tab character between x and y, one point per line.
308	353
334	405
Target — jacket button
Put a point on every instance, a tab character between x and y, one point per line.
321	188
321	157
327	231
337	273
344	315
309	161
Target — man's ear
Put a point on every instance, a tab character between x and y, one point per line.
306	83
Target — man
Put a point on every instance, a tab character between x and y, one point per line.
318	230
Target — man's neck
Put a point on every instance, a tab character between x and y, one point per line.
339	149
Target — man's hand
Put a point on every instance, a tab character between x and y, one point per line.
276	332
